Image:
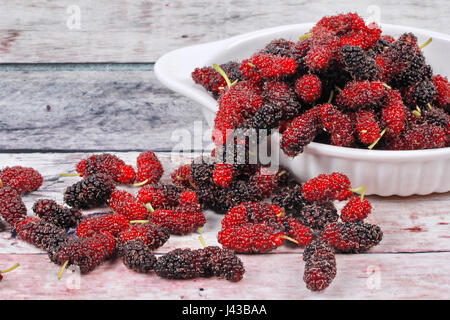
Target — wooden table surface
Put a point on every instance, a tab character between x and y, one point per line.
68	92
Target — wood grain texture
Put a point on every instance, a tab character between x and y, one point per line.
412	261
363	276
411	224
93	110
143	30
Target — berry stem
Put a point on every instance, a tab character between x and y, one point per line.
70	174
386	86
289	238
140	184
62	269
426	43
139	221
223	74
149	207
331	96
417	112
305	36
360	189
10	269
376	141
282	213
338	89
202	240
1	183
428	105
200	230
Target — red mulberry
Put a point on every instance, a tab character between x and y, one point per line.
320	267
309	88
127	205
149	167
21	179
151	235
251	237
109	223
356	209
12	208
334	186
367	126
363	94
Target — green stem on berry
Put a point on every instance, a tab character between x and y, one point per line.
10	269
376	141
223	74
140	184
200	230
149	207
331	96
362	190
282	213
1	183
289	238
363	131
202	241
428	105
386	86
426	43
139	221
62	269
282	172
305	36
70	174
338	89
417	112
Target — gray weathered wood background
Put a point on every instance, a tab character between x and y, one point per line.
122	106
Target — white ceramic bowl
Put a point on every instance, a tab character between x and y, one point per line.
384	173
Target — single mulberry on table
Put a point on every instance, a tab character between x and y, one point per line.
48	210
149	167
12	208
91	192
113	224
109	164
320	267
21	179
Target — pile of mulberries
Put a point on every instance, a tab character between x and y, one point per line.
344	83
311	205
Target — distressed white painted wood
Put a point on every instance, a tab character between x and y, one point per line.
141	31
410	224
270	276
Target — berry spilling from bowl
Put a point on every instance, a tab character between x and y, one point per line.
344	83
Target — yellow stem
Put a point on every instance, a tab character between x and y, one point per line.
331	96
305	36
140	184
202	241
62	269
289	238
139	221
360	189
70	174
200	230
223	74
376	141
149	207
10	269
426	43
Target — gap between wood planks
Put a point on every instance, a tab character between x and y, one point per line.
85	66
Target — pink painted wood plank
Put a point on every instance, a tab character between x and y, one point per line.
269	276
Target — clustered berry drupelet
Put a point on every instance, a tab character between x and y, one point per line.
23	180
112	224
342	62
48	210
137	256
108	164
12	208
149	167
